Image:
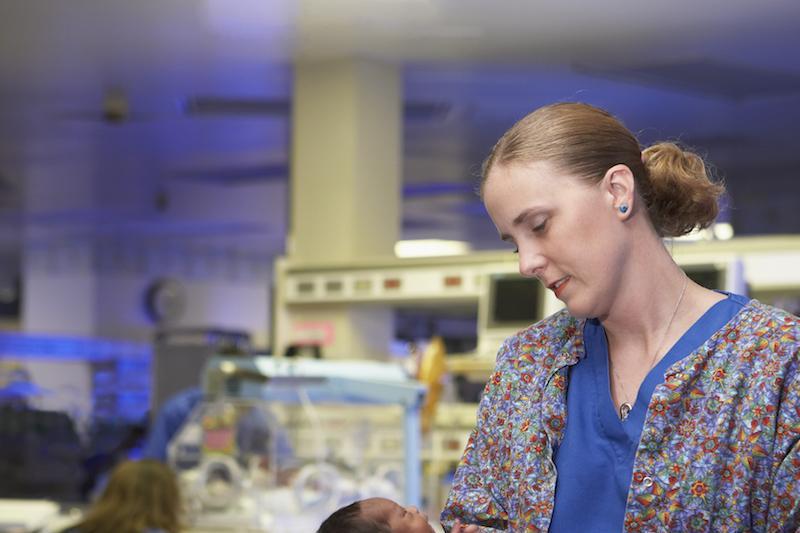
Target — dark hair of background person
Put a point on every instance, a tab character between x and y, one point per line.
585	141
140	495
348	519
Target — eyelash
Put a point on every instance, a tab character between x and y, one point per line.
537	229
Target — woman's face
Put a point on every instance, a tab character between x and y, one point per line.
564	229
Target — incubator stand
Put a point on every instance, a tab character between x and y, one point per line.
309	436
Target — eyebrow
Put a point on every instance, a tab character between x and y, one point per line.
519	219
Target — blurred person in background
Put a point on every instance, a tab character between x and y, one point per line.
140	497
40	450
257	431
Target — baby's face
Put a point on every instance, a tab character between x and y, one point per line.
400	519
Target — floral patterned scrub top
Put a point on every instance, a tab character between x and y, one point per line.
595	459
719	449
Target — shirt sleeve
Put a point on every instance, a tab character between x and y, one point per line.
783	513
474	496
168	421
784	508
155	445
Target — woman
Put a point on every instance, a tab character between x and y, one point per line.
141	496
650	403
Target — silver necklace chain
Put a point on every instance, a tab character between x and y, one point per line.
626	406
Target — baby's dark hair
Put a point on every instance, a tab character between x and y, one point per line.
349	519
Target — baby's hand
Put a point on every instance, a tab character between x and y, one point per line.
458	527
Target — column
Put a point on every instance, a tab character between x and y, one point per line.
346	183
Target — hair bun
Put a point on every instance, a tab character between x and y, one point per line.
677	191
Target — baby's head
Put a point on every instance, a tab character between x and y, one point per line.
376	515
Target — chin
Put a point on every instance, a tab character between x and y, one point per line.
579	311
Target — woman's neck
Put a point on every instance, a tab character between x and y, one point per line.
655	304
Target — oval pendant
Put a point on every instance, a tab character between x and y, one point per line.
624	410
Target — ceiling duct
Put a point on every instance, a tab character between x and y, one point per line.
706	77
213	106
234	174
427	111
429	189
210	106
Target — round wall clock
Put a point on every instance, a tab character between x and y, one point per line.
165	300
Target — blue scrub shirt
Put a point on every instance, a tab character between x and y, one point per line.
595	460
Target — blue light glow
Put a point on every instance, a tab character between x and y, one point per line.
23	346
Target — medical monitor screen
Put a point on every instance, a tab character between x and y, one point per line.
709	276
515	301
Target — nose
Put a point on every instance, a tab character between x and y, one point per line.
531	262
414	510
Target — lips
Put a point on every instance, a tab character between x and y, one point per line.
558	286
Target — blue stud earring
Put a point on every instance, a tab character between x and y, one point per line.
623	208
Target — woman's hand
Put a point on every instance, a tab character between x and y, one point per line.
458	527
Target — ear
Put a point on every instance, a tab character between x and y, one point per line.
620	190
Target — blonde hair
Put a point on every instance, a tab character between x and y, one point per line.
585	141
139	495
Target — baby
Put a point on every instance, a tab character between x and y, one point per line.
379	515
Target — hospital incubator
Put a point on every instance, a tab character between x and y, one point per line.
279	453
